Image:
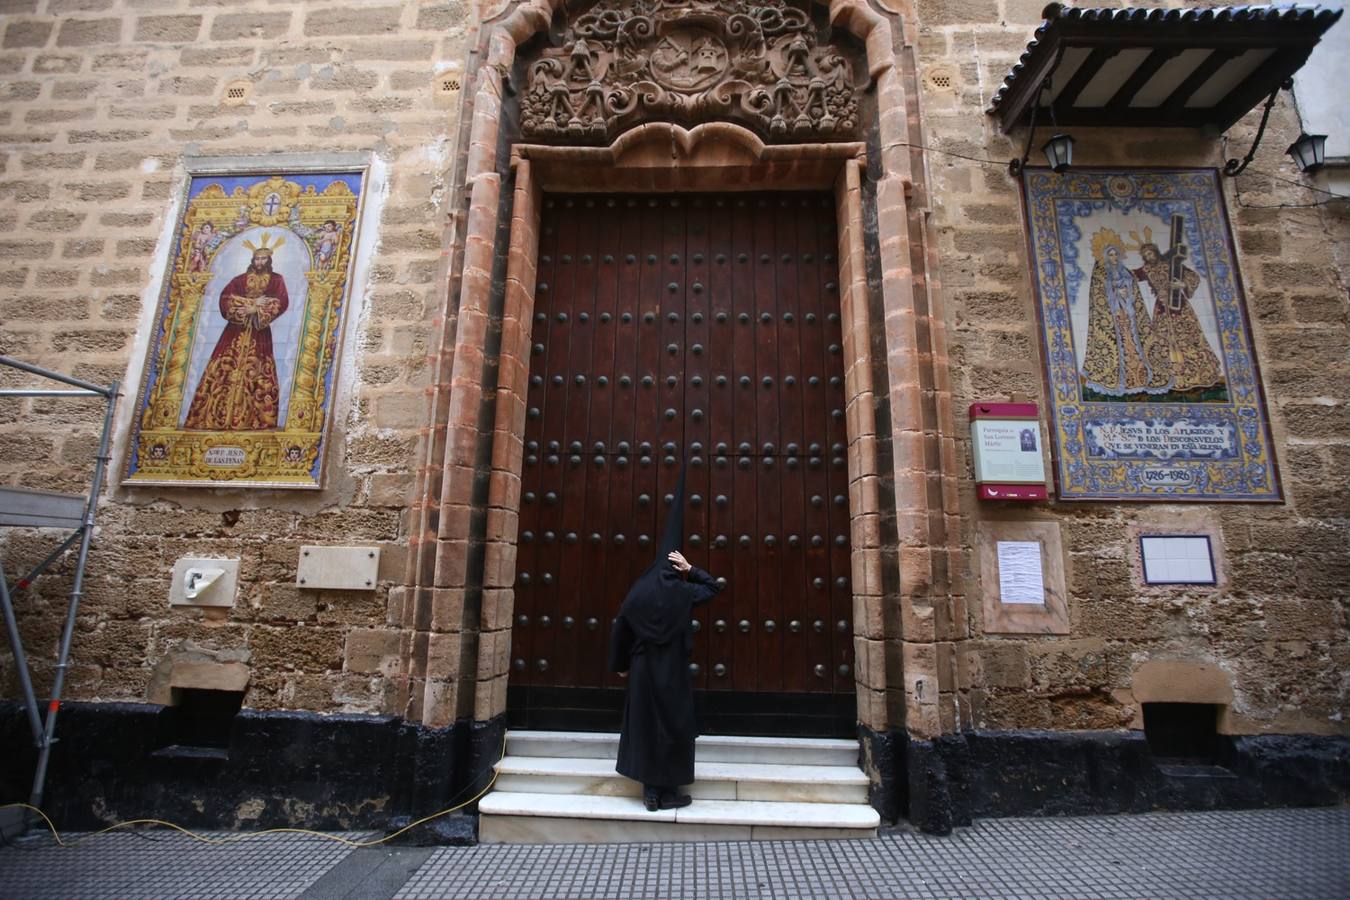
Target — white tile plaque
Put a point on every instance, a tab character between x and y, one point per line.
1177	559
204	581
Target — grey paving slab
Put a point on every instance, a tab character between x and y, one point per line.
165	864
1248	854
368	873
1256	854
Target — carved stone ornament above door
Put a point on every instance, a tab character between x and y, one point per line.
757	63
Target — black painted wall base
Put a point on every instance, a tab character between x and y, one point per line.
275	769
957	778
380	773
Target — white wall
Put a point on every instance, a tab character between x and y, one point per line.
1320	90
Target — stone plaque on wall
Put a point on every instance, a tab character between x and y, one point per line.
1152	380
239	383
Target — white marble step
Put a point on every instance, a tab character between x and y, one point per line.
709	748
535	818
712	780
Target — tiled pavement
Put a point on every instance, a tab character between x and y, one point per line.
1257	854
161	863
1266	854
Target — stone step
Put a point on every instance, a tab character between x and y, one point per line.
712	780
709	748
549	818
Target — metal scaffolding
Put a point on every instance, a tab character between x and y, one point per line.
26	508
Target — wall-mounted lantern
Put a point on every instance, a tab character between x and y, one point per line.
1309	151
1059	152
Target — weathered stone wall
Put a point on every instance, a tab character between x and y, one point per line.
103	99
1275	626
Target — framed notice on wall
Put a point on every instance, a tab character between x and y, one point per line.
1153	384
239	384
1005	441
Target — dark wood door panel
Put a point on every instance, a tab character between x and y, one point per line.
700	328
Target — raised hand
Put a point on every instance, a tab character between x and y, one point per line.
678	561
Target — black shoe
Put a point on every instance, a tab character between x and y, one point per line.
651	799
673	800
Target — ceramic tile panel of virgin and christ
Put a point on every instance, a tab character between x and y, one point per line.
1153	385
239	383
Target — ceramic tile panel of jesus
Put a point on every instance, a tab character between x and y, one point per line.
238	389
239	381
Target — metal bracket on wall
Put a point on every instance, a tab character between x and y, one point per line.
1234	167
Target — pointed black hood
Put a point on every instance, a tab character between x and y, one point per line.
672	538
655	606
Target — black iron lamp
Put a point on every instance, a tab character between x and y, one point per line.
1059	152
1309	151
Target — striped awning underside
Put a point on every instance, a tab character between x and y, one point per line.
1158	67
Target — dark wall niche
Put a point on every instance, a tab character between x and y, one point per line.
198	723
1182	733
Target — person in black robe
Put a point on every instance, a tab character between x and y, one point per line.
650	645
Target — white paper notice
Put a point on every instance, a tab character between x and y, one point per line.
1019	572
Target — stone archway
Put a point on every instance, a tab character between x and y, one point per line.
462	553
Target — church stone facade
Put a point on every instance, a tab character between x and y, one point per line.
493	136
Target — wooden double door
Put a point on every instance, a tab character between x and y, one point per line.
698	327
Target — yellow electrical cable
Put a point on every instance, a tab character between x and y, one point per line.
255	834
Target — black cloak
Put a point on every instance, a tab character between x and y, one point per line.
652	638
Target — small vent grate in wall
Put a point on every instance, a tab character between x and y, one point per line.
941	79
237	93
447	84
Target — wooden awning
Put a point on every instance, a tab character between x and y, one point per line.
1187	68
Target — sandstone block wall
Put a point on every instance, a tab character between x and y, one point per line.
102	100
1275	626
